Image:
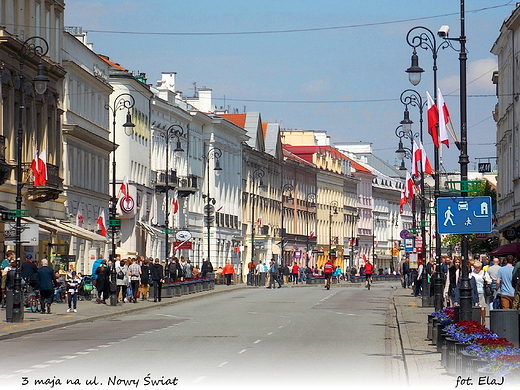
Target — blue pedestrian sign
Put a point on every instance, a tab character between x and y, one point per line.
464	215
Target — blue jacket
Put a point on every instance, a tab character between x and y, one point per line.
474	292
46	278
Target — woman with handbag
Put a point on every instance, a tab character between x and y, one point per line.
482	279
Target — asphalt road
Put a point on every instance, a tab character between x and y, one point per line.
251	337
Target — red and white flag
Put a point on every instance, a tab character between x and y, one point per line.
39	168
311	234
407	192
175	202
101	221
259	223
444	118
79	218
419	156
125	189
220	209
433	120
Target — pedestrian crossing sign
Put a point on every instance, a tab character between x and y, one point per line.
464	215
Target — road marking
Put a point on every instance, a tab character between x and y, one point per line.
103	346
41	366
199	379
280	327
6	376
252	312
257	341
222	364
92	349
270	333
242	351
69	357
54	361
24	371
82	353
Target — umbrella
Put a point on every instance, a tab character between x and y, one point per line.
509	249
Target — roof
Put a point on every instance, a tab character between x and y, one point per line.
237	119
113	64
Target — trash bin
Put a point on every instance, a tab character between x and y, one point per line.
505	323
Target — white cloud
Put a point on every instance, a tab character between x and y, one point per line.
478	78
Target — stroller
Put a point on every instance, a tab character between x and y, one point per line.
85	288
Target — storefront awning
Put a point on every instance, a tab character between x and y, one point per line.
66	228
50	227
153	231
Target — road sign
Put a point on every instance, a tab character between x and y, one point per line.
404	233
395	252
408	244
464	215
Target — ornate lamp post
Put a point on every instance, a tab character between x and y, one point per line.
310	200
124	101
286	188
213	153
33	46
411	97
424	38
174	131
257	173
332	206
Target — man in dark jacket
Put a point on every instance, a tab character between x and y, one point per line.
207	268
47	283
157	278
29	271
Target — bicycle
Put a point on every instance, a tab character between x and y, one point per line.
31	298
328	281
368	281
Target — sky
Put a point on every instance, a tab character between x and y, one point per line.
332	65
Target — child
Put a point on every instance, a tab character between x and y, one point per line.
72	290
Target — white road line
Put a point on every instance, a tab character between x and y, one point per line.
222	364
270	333
82	353
69	357
40	366
280	327
199	379
242	351
92	349
257	341
54	361
6	376
252	312
103	346
23	371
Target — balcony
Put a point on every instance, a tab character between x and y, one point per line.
50	191
160	181
187	185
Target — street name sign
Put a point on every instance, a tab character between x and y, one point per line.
464	215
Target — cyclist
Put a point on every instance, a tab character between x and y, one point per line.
369	268
328	270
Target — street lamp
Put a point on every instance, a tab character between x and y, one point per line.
310	200
213	153
375	218
257	173
411	97
174	131
355	219
394	222
124	101
332	206
38	47
286	188
425	39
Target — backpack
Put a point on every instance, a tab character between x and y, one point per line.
515	278
120	274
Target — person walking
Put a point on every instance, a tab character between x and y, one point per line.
228	271
452	280
102	282
207	268
480	277
47	283
188	270
144	286
134	272
29	271
328	271
171	269
273	275
72	291
504	283
157	272
295	270
122	280
492	270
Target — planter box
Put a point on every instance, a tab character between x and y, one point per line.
430	327
184	288
191	287
505	323
177	290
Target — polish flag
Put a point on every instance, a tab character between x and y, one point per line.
419	156
39	168
175	202
311	234
259	223
125	190
220	208
433	120
444	118
101	221
79	218
407	192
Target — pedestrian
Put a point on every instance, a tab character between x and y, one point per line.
122	279
407	273
504	283
452	280
47	284
338	273
134	272
273	275
188	270
493	272
8	276
61	289
260	274
144	286
29	271
182	264
157	279
228	271
480	277
295	271
102	282
72	291
353	273
171	267
419	288
207	268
